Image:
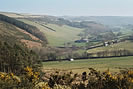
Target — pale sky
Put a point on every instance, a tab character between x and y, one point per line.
70	7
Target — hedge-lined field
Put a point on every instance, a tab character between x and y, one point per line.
78	66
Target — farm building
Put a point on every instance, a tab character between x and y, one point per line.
82	41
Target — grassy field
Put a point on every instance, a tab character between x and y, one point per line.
102	64
126	31
61	35
128	45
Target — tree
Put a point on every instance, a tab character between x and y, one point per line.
15	57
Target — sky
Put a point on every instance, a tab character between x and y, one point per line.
69	7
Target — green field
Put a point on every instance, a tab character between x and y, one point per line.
128	45
61	35
102	64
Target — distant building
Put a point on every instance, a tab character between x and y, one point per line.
82	41
106	43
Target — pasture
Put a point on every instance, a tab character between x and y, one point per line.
128	45
101	64
62	34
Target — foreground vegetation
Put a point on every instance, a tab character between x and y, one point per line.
93	79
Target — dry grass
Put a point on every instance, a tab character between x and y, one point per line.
33	37
31	44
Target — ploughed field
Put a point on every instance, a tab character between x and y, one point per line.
78	66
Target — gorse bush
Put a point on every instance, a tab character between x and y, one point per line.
94	80
30	79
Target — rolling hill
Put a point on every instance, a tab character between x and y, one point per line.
15	44
60	35
107	20
13	32
61	31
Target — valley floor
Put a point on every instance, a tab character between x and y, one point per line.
101	64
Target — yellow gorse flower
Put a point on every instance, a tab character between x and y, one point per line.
114	77
2	76
28	69
45	86
7	77
132	81
130	72
34	76
37	73
108	73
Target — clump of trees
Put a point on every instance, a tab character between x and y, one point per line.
29	28
58	54
13	58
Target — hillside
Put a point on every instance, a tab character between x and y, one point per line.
60	32
13	34
26	27
19	15
107	20
59	35
14	52
15	44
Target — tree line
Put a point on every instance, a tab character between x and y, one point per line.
113	53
